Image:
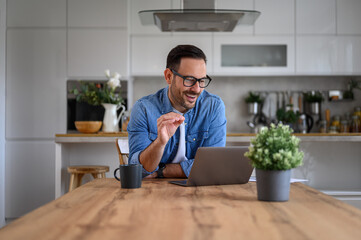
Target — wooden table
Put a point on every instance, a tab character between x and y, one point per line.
159	210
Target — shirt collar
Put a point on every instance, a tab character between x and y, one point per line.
167	106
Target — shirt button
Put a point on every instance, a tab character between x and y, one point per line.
185	123
194	139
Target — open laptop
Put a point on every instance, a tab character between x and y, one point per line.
218	166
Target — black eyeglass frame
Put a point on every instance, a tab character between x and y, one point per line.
195	80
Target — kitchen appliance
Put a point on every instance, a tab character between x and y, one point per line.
198	16
258	122
255	128
305	121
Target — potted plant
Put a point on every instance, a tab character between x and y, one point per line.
287	117
254	102
273	153
315	99
104	95
352	84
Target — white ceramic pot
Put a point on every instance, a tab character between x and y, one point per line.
315	108
253	108
111	120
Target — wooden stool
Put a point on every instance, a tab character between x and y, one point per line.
77	173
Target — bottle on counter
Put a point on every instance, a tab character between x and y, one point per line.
323	126
355	125
348	116
357	112
344	127
333	129
125	121
328	117
336	122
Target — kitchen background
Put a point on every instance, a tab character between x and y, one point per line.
234	90
45	43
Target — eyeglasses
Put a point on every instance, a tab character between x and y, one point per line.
189	81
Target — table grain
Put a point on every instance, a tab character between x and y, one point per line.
160	210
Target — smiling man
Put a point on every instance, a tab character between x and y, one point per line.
166	128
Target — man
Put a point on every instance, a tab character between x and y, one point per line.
166	128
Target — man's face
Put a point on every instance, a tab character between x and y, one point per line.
184	98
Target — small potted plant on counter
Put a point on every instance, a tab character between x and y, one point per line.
274	152
288	116
254	102
314	99
352	84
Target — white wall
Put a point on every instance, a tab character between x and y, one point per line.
48	42
2	110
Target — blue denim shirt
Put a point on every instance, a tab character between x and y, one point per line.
205	126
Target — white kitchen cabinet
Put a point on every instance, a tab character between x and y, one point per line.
29	177
95	13
279	57
136	26
2	109
237	5
277	17
348	17
349	55
36	13
316	54
36	83
319	55
316	17
91	51
149	57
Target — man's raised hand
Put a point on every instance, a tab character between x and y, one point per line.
167	125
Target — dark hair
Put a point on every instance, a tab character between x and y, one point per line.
183	51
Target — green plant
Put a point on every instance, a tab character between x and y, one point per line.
313	97
253	98
96	94
275	148
288	116
352	84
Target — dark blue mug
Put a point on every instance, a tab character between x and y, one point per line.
130	175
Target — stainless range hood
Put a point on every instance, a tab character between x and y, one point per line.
198	16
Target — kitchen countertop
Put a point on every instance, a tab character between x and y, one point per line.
231	137
322	154
160	210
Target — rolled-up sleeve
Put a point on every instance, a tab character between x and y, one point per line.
138	134
187	166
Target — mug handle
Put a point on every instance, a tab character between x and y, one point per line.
115	174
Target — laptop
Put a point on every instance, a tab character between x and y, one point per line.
218	166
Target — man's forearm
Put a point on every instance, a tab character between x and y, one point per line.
152	155
173	170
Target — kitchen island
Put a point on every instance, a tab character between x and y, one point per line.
332	162
160	210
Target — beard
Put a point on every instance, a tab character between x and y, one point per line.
180	97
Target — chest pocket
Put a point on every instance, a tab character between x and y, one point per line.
197	137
